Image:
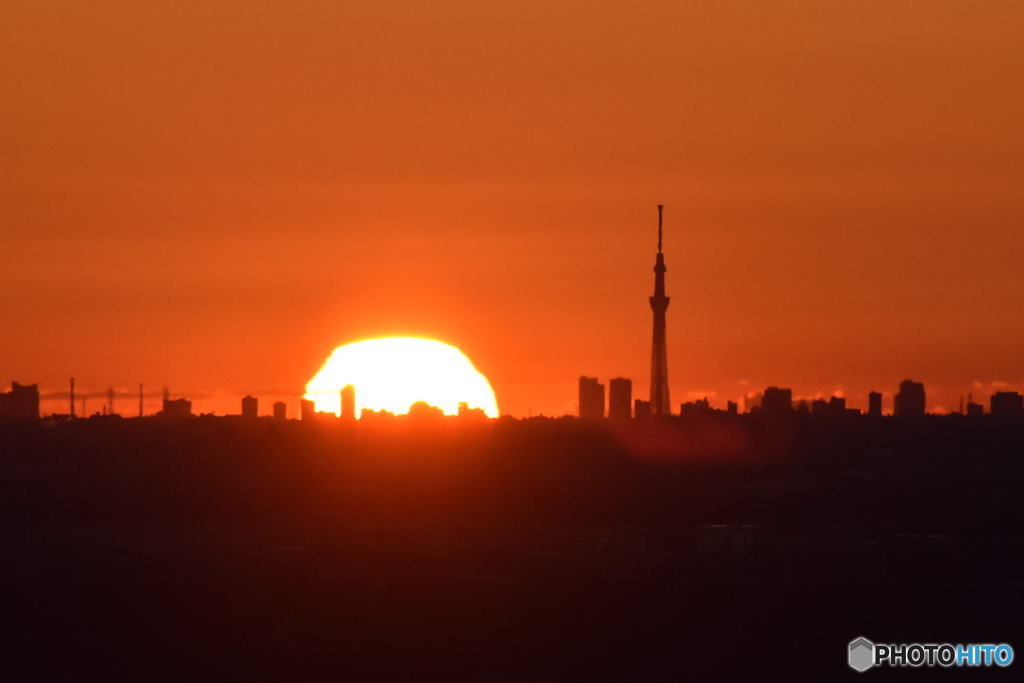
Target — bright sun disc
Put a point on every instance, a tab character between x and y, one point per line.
394	372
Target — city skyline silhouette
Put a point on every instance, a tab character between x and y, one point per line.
657	403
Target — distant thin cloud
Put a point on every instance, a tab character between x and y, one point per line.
118	393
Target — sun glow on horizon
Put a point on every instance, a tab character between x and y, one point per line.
392	373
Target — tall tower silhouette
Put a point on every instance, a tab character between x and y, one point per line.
660	404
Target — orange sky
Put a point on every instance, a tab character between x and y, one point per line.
214	194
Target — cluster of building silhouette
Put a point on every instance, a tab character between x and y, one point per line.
22	403
908	401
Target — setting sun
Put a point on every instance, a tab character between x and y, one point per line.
394	372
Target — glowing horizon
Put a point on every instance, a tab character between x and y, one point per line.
392	373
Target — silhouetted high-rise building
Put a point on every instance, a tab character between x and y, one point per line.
875	404
421	411
20	403
732	407
620	398
591	398
819	407
348	402
250	406
777	401
660	404
307	409
975	409
909	400
176	408
837	405
466	413
280	410
641	409
1006	403
696	408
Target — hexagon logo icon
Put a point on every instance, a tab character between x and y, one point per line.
861	654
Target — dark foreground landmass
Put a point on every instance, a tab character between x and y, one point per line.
725	548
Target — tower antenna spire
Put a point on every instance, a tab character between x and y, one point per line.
661	208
